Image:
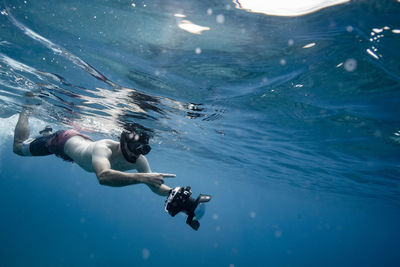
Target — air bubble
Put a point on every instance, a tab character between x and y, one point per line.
350	64
278	233
145	253
349	28
220	18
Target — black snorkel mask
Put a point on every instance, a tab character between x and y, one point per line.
134	144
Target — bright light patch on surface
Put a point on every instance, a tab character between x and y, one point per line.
191	27
396	31
377	30
309	45
179	15
369	51
396	137
290	8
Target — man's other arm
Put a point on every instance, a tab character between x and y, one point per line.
110	177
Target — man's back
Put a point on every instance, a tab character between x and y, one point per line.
82	151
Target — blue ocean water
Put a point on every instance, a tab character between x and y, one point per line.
287	113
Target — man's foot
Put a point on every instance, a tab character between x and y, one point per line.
29	94
30	99
46	131
27	110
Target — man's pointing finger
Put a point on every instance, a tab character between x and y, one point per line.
168	175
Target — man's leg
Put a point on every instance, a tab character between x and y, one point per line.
22	131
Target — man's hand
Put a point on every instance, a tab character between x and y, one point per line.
155	179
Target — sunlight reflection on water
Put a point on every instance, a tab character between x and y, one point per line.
290	8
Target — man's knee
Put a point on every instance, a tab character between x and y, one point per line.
17	149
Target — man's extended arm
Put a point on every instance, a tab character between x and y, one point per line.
144	167
115	178
110	177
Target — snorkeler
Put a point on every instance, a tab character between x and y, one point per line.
109	159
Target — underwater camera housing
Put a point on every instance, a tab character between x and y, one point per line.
180	200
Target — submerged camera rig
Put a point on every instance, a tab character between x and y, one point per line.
180	200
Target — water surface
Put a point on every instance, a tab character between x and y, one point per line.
290	120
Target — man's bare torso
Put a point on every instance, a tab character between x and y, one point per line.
81	150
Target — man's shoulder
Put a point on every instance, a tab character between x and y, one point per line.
105	147
106	143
